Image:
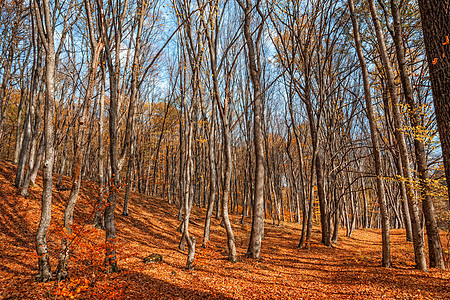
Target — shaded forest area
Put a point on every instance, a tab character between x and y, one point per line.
248	136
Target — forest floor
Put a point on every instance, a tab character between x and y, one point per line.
350	270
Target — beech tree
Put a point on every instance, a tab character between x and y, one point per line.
386	259
412	202
434	14
254	64
43	16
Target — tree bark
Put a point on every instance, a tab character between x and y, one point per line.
80	146
45	29
254	248
386	254
213	179
401	143
434	241
98	222
435	15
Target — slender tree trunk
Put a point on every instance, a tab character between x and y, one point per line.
334	239
188	197
24	152
226	192
386	253
323	203
63	162
254	248
403	151
307	244
404	202
128	184
19	132
62	270
46	34
101	179
434	241
213	180
32	173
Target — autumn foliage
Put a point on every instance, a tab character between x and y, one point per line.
349	270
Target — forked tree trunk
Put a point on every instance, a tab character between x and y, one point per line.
27	130
24	150
254	247
32	173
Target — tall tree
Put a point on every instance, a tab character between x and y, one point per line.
435	15
401	142
43	16
254	65
434	241
386	257
212	27
80	145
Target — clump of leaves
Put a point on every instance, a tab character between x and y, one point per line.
152	258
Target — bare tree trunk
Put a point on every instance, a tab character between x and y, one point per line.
188	197
226	192
336	220
45	29
63	163
324	210
30	110
403	151
24	152
254	248
101	179
213	178
434	241
19	132
436	28
80	146
307	244
32	173
386	256
113	68
404	202
128	183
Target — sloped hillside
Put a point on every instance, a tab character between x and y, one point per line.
351	270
